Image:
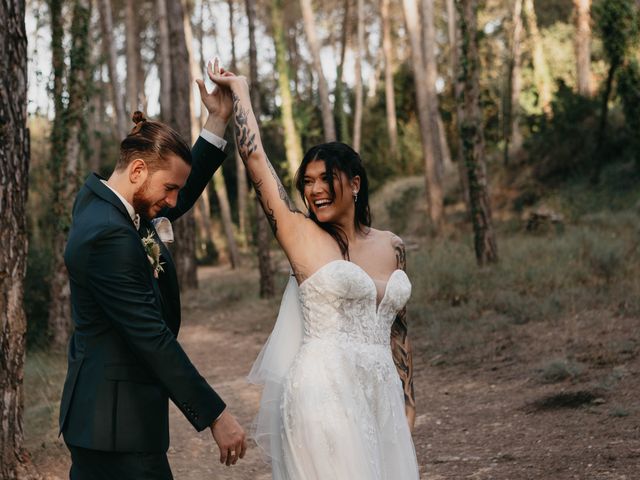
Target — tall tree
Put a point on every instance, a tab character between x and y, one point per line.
221	190
109	46
66	168
263	235
428	134
541	75
456	90
292	144
185	229
14	165
338	106
511	123
359	100
164	59
583	45
323	89
133	55
443	156
390	102
472	134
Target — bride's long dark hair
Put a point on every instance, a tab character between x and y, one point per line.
338	156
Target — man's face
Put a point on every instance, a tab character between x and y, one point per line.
161	187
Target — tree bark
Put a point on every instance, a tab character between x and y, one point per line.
473	136
263	235
583	46
443	155
184	245
359	100
14	165
133	55
339	113
164	61
323	89
291	138
541	75
456	91
68	170
428	134
106	23
513	137
390	102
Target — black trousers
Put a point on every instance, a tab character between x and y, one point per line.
96	465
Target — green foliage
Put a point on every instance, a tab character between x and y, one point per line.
561	145
629	91
617	23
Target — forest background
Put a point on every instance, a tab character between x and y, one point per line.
501	139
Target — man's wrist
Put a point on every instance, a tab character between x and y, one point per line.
216	125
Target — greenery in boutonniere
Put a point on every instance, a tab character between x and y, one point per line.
152	249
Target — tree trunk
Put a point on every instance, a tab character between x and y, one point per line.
428	134
133	55
225	213
473	136
511	123
443	156
359	100
241	174
14	164
68	170
339	113
184	245
583	46
106	22
541	75
387	48
263	235
164	60
456	91
323	89
291	137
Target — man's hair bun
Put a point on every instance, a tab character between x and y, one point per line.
138	117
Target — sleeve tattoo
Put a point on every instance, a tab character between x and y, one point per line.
400	345
246	144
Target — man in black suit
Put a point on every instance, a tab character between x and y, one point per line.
124	359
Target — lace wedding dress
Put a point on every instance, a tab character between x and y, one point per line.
333	406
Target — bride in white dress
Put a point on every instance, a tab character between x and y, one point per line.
337	368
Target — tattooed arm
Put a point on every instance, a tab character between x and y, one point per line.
285	219
400	345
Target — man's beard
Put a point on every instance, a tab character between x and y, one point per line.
141	203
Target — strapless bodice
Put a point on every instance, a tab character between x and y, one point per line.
339	303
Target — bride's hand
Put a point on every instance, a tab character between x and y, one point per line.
230	81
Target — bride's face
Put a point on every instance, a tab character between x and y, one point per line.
329	208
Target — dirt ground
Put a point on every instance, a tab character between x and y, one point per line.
479	417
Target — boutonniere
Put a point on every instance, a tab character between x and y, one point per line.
152	250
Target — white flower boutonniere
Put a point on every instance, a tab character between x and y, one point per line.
152	249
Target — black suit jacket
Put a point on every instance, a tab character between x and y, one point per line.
124	360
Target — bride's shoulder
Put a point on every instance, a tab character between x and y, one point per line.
391	243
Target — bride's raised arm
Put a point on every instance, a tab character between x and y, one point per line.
287	222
